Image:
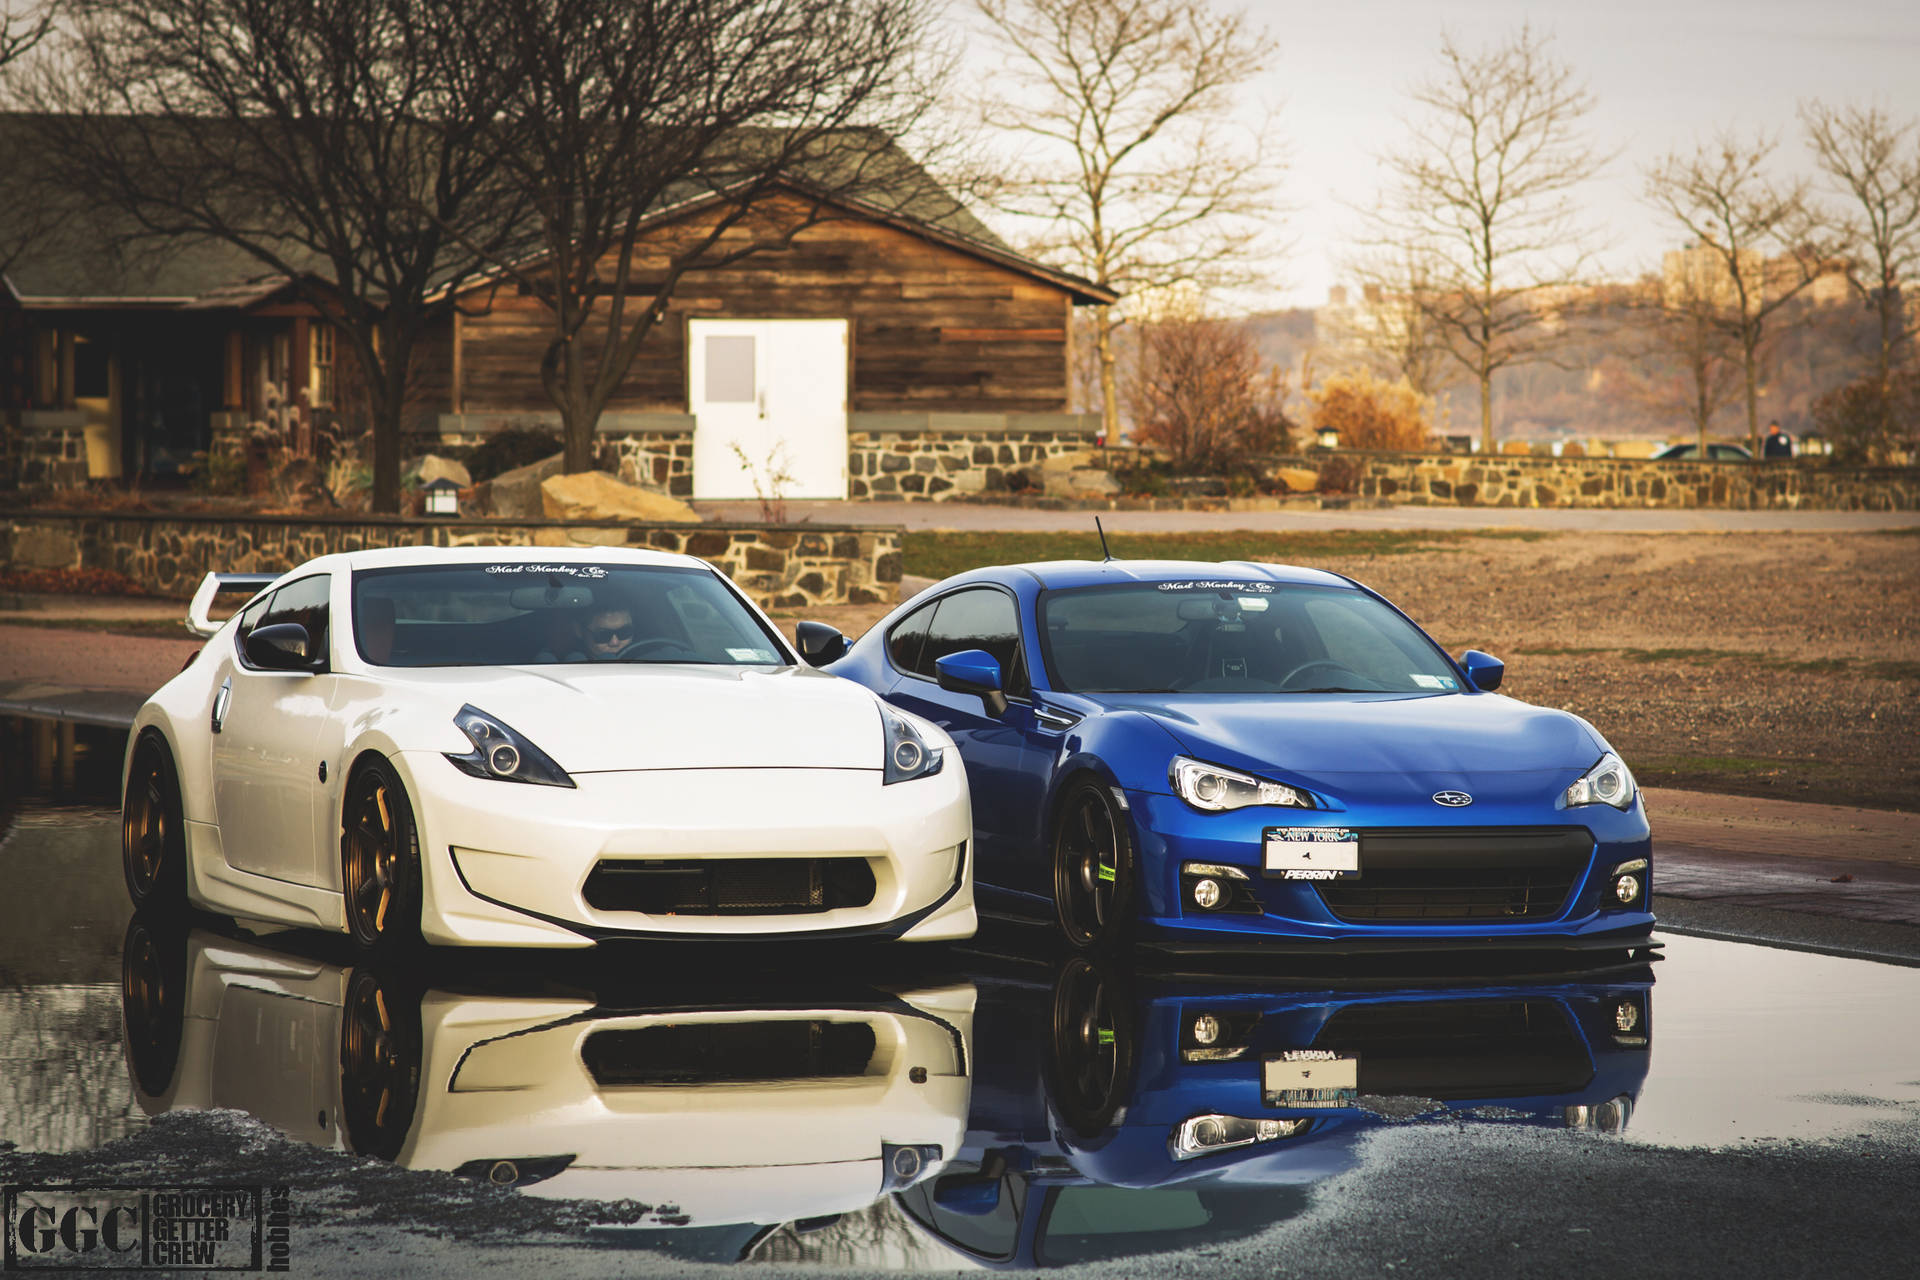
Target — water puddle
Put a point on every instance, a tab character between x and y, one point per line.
963	1108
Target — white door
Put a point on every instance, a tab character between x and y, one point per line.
769	402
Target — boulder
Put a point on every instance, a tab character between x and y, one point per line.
595	495
1296	479
515	494
434	467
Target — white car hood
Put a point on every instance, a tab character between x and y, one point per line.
603	718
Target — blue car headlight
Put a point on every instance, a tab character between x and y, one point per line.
1608	782
1205	1134
908	755
499	752
1214	789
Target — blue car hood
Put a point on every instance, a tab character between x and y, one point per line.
1309	735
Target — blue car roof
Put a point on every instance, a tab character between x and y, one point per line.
1059	574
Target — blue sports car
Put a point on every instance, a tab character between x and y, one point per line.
1203	756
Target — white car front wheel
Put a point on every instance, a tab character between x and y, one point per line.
380	861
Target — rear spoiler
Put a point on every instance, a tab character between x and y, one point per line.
199	620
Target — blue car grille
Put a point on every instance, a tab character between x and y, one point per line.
1500	874
1455	1050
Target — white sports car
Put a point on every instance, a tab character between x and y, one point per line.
535	747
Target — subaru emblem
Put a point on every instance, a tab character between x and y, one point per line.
1453	798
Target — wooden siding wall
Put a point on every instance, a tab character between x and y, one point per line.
933	329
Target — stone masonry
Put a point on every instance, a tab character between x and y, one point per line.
1467	480
779	566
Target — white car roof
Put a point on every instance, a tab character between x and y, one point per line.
396	557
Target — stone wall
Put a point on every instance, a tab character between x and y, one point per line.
891	456
652	449
777	565
42	448
930	457
1475	481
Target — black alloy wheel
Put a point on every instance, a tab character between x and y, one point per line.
1092	868
379	861
153	833
1090	1046
153	999
379	1064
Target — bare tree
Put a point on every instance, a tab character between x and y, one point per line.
1689	364
1200	391
1736	212
1131	165
1392	325
317	136
1482	198
1875	162
755	120
29	213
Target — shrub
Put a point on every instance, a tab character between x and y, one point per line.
1340	474
510	448
1370	413
1200	393
1866	423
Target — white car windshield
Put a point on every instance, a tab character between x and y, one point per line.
1235	638
519	613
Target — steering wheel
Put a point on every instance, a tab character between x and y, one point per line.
640	648
1331	663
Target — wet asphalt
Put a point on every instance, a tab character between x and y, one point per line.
1768	1060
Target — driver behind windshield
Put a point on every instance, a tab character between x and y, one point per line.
609	631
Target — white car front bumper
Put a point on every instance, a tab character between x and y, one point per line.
508	864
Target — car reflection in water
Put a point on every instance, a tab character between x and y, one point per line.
728	1117
1113	1117
1026	1114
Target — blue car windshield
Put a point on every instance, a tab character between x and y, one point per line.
518	612
1235	638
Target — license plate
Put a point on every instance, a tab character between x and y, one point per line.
1310	1078
1313	853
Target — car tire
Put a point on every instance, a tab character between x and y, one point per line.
153	999
1090	1046
379	862
153	831
1093	874
379	1063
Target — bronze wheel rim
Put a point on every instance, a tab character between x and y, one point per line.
1087	865
374	858
376	1068
143	831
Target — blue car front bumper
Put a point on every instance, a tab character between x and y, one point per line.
1529	880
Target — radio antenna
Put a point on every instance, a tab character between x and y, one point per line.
1103	538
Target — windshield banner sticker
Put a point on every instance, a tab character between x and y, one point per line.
570	570
1248	588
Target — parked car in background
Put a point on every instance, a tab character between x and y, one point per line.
1208	756
538	748
1715	452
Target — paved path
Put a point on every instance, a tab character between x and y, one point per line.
973	516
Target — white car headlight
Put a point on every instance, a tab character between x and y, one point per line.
1203	1135
908	755
1608	782
499	752
1209	787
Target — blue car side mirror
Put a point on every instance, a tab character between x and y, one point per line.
973	671
970	1195
1484	671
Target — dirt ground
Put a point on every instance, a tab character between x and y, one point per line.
1770	664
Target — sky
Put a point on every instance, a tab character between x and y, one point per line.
1665	76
